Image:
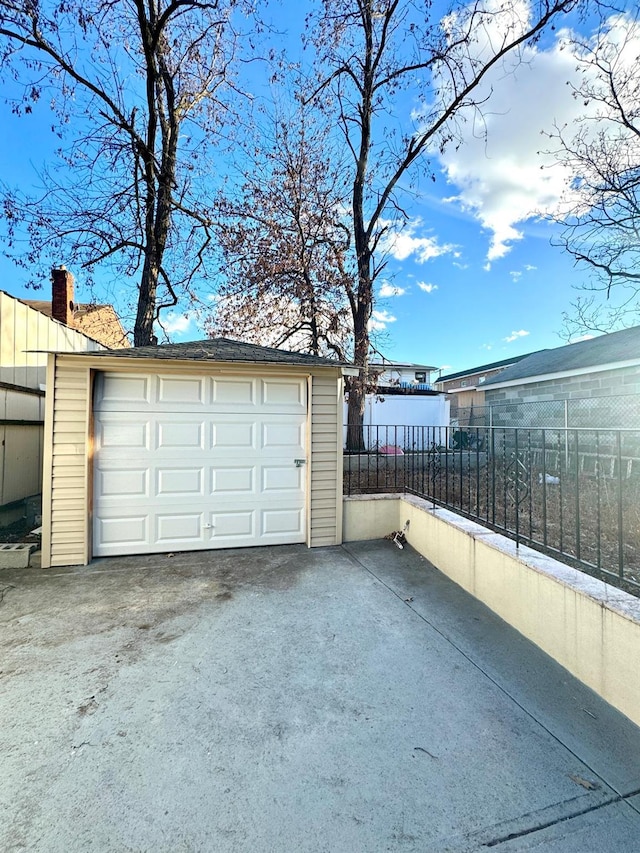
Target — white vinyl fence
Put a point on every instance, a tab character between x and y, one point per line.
405	411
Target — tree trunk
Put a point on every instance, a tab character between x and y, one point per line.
143	334
358	385
355	415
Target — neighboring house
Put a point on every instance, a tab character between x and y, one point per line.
466	387
26	336
404	397
395	377
99	322
593	383
192	446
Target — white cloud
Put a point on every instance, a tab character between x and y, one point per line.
388	289
427	287
380	319
402	243
173	323
515	335
516	275
503	179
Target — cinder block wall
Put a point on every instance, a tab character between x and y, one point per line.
623	382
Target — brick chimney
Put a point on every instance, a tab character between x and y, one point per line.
62	306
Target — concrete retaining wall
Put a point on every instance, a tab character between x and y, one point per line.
589	627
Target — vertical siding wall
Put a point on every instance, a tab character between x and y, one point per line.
26	336
326	461
23	330
66	487
20	444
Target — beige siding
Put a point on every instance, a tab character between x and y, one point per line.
326	461
26	336
66	494
67	454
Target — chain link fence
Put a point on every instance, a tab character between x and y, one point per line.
619	412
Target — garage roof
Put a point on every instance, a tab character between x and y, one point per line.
220	349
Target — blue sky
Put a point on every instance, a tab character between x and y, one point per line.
473	278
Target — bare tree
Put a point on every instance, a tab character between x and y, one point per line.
601	211
139	90
366	52
285	277
589	315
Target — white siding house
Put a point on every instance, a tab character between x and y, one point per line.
26	336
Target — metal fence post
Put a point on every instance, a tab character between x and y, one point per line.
581	510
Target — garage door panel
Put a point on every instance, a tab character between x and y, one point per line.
281	478
127	432
235	392
179	482
233	435
282	432
183	475
233	480
122	482
236	524
278	522
284	395
123	530
179	528
123	390
172	391
180	434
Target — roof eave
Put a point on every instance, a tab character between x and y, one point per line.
562	374
120	361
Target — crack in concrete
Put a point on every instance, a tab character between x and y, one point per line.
539	827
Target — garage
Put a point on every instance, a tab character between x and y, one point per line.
206	445
197	462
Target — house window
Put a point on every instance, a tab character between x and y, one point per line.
481	379
463	383
421	376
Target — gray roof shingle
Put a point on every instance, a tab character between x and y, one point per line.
605	349
471	371
219	349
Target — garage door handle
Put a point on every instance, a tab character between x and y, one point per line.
299	462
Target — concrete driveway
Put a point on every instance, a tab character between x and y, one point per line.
280	699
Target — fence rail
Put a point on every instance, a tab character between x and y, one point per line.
572	493
607	412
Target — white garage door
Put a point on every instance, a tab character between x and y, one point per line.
187	462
